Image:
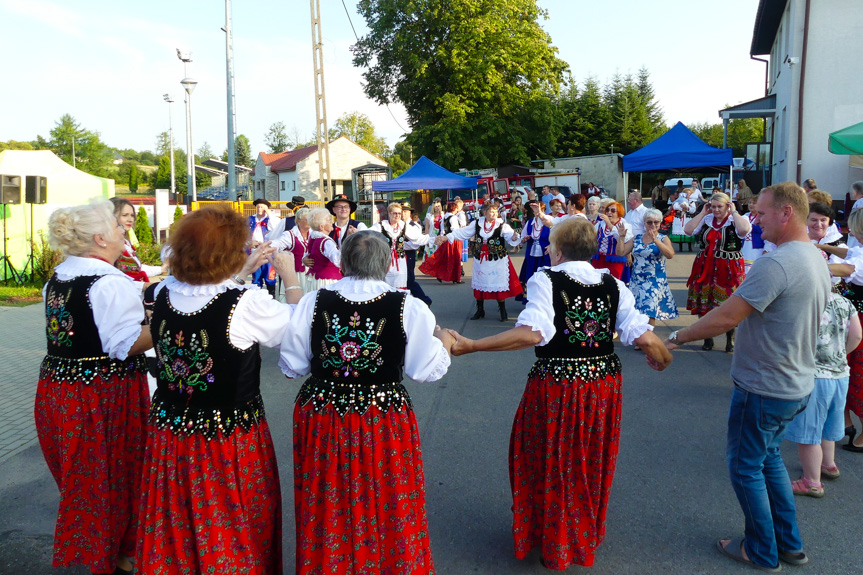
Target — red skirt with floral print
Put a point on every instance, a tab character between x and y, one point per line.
359	493
211	505
445	263
562	456
709	288
93	437
854	401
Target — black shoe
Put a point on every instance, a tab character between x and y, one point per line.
851	431
480	310
853	448
502	308
708	344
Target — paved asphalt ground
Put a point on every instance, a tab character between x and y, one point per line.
670	502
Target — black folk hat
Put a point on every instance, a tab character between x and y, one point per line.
341	198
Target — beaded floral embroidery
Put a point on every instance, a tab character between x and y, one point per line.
60	321
352	348
184	361
587	321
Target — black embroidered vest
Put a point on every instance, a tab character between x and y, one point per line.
447	224
496	244
205	384
75	351
852	292
399	241
584	322
728	247
358	353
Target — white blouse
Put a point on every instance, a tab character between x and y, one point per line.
854	257
413	234
539	312
257	317
426	359
467	232
114	299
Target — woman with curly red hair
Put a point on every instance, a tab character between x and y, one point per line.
212	501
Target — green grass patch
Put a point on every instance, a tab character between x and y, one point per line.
19	296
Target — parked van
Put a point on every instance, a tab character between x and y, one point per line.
707	184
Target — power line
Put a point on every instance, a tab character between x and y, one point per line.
351	22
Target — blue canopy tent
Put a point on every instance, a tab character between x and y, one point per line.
678	150
425	175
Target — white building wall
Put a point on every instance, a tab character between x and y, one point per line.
833	91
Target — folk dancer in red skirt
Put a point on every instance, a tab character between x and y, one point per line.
565	437
359	491
494	276
445	263
128	262
614	238
719	267
211	501
397	232
852	289
92	397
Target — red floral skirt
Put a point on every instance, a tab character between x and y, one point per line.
445	263
562	456
93	437
359	493
514	289
211	505
716	286
854	401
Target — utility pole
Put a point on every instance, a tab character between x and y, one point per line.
229	63
321	103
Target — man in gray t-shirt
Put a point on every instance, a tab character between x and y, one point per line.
777	309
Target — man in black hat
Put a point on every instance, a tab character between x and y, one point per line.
261	223
342	208
411	256
295	204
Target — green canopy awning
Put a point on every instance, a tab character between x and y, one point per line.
847	141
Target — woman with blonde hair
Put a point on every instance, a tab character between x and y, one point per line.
128	262
718	268
92	396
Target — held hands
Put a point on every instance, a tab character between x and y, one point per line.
282	261
257	258
440	240
462	344
308	261
515	236
444	336
349	230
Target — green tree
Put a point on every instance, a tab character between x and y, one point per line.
400	158
741	131
133	179
178	214
276	138
142	228
91	155
13	145
205	152
474	77
359	129
163	144
242	152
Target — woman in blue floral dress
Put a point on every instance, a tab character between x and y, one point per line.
649	283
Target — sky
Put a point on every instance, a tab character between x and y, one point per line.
108	63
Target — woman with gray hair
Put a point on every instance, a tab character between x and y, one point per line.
296	240
359	492
649	281
322	255
92	397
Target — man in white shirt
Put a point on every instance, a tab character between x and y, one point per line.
635	215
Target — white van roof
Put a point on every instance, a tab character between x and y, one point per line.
672	183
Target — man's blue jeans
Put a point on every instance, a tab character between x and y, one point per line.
756	427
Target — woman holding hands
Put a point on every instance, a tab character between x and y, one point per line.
718	268
565	437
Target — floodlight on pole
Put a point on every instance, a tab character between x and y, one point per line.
170	100
189	85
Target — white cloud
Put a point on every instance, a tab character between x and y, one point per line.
47	13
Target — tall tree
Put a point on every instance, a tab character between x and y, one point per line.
90	154
133	178
741	131
242	152
360	130
277	138
205	152
400	158
473	76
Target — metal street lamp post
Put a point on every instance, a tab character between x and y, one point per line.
170	101
189	85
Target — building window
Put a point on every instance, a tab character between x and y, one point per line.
294	186
282	186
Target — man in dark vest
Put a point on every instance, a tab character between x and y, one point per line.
342	208
295	204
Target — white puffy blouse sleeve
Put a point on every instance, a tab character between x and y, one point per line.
258	318
118	313
426	359
331	251
463	234
296	349
855	258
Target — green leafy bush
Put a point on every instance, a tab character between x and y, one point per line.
45	259
142	228
149	254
